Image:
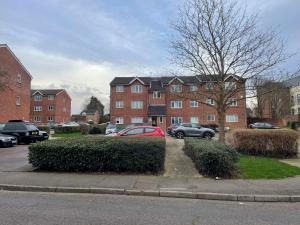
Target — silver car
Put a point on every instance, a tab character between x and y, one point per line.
192	130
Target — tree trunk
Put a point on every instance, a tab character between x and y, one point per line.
221	119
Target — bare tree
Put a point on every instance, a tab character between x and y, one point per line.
221	42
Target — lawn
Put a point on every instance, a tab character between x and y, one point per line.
67	135
253	167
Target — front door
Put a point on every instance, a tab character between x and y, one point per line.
154	121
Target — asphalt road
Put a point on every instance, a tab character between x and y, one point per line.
72	209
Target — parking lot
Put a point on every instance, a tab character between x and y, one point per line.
14	159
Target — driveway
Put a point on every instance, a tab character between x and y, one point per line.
14	159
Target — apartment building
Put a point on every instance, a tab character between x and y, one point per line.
15	83
155	100
50	106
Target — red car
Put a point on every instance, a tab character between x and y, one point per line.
142	131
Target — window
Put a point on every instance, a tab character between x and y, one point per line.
176	120
51	97
193	104
50	107
176	88
209	86
119	88
161	119
232	118
137	120
232	102
136	89
176	104
210	101
37	108
119	120
119	104
50	118
211	117
38	98
230	85
37	119
156	94
298	99
193	88
19	78
137	104
135	131
18	100
194	119
149	130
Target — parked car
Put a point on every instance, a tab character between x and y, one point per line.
43	135
141	131
262	126
7	140
25	132
192	130
110	129
171	127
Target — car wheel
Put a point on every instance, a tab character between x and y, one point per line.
207	135
180	135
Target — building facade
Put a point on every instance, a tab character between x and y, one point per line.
49	106
137	100
15	82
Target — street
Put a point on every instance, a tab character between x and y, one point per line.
49	208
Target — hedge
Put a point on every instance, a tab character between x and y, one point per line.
212	158
66	129
279	143
116	154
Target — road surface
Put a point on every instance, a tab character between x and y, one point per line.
73	209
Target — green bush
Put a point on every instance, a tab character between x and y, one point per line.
117	154
44	128
212	158
67	129
280	143
97	129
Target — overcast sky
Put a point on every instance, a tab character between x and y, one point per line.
81	45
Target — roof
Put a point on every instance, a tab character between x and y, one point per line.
47	91
166	80
156	85
16	58
156	110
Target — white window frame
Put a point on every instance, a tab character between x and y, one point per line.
38	98
156	94
119	104
229	118
176	88
137	104
120	88
51	97
232	102
176	104
37	119
37	108
50	118
193	88
178	118
119	120
211	117
137	120
19	78
50	107
194	104
230	85
18	100
137	88
209	86
210	101
194	119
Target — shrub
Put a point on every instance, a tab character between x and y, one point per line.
212	158
44	128
66	129
117	154
97	129
275	143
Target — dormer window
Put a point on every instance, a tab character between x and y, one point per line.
19	78
136	89
176	88
193	88
38	98
230	86
51	97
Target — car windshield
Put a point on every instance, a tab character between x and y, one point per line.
31	127
14	126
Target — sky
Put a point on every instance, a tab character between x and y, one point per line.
81	45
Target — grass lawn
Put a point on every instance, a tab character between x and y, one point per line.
67	135
253	167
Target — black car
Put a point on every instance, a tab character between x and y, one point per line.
262	126
25	132
7	140
43	135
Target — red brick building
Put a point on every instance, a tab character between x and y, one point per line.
50	106
16	83
154	100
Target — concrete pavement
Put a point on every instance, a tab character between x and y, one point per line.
79	209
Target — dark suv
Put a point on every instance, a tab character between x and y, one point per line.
25	132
